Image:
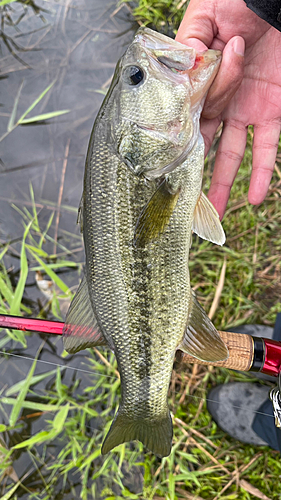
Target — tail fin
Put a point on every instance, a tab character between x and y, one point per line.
156	434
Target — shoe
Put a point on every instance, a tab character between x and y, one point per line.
234	407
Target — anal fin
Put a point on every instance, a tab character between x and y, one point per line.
201	338
81	329
206	222
156	214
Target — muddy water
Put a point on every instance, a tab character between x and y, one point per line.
74	46
76	49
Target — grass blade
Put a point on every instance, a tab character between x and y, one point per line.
13	489
60	418
18	405
15	306
44	116
14	111
63	287
37	378
3	252
40	437
34	207
35	102
58	265
31	405
5	291
5	2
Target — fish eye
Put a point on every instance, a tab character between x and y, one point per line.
133	75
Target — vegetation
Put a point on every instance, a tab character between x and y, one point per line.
163	15
65	455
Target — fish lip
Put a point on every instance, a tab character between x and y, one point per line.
153	40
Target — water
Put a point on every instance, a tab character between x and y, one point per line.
76	50
74	45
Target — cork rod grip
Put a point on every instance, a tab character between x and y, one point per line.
240	348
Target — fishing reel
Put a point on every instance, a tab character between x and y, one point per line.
275	397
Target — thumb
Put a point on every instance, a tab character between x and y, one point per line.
199	30
228	79
198	27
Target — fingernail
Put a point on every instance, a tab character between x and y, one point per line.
239	46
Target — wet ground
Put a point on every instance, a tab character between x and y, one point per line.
74	46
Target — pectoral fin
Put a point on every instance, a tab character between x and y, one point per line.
81	328
206	222
156	214
201	338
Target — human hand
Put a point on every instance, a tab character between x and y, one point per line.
225	25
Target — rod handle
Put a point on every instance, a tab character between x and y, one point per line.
241	352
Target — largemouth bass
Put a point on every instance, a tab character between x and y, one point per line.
141	201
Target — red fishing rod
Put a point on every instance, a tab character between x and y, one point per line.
246	353
31	324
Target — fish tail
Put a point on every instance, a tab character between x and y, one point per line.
155	434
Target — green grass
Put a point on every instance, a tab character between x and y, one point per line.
205	462
23	120
162	15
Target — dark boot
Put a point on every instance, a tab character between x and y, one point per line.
243	410
234	407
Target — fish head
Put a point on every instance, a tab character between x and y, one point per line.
160	87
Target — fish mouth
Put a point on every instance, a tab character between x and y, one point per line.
173	54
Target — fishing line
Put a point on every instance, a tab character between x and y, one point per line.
55	364
91	372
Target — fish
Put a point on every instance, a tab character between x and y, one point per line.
141	202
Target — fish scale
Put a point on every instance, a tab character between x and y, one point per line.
142	199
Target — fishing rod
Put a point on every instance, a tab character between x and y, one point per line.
246	353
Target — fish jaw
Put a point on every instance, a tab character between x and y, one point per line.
202	75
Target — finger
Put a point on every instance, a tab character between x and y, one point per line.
228	79
228	159
198	23
208	129
265	146
196	44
